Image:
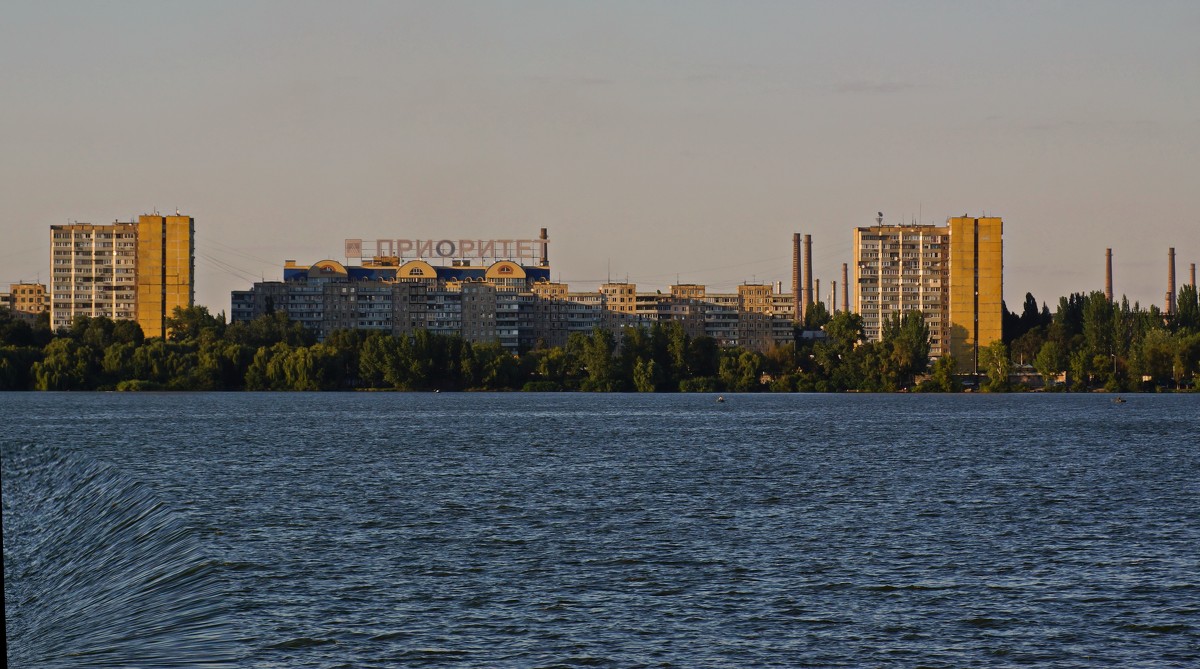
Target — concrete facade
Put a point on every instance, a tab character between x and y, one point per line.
128	271
93	272
26	298
166	255
952	274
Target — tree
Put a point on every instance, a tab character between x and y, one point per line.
1157	359
1050	361
194	324
1080	366
905	349
993	358
646	376
1187	314
816	316
598	361
1099	324
67	365
942	377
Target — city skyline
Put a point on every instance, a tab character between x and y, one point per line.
656	142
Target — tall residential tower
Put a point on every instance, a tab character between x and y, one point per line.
165	267
131	271
952	274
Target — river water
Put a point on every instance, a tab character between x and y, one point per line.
570	530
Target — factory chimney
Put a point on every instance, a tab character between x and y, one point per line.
845	288
796	295
808	277
1171	281
1108	294
833	298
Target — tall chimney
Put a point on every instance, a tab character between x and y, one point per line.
845	288
833	298
808	277
1193	275
1108	294
545	262
1171	280
796	296
818	293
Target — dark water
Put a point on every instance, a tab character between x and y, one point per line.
381	530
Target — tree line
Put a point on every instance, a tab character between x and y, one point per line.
1097	343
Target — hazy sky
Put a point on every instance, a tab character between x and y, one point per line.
655	140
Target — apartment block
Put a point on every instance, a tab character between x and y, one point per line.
952	274
130	271
507	302
26	298
93	272
165	269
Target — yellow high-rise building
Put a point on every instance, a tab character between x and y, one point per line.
165	269
952	274
137	271
976	287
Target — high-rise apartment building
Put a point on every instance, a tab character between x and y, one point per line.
133	271
976	287
952	274
93	272
165	267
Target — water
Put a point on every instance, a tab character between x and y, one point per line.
483	530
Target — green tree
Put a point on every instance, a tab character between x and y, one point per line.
942	376
816	316
1187	314
905	349
194	324
993	359
1080	367
646	376
598	361
16	366
1157	359
66	365
1050	361
376	357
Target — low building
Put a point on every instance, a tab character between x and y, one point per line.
26	298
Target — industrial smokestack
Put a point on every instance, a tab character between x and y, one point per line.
845	287
1193	275
833	298
1108	294
808	277
1171	280
818	293
796	295
545	246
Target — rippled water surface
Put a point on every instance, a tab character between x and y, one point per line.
481	530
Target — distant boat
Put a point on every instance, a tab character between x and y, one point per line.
1118	400
720	398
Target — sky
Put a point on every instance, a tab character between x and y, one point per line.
658	142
